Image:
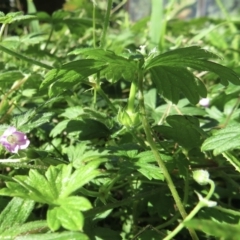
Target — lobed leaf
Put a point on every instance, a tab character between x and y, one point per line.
15	213
171	82
70	74
55	236
16	232
219	230
117	66
223	140
169	73
184	130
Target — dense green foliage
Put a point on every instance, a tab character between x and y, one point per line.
120	145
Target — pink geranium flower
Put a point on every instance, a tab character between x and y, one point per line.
14	140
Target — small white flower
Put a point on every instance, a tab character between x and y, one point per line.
204	102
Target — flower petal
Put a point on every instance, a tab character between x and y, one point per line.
14	140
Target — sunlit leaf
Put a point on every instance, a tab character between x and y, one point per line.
220	230
15	213
223	140
70	74
117	66
170	74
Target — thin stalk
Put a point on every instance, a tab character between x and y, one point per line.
94	24
22	165
232	112
2	30
49	38
169	222
101	92
158	158
198	207
233	29
24	58
186	188
106	23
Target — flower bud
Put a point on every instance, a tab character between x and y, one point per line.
201	177
205	202
204	102
128	118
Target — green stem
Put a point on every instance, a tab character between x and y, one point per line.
132	95
106	23
158	158
101	92
169	222
198	207
49	38
186	188
20	56
22	165
2	30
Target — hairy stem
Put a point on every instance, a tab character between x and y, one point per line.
198	207
158	158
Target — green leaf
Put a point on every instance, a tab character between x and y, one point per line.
232	160
223	140
15	213
24	58
172	81
75	202
14	190
80	154
15	16
75	153
24	229
86	129
58	183
52	220
70	74
58	176
220	230
31	120
10	76
70	218
55	236
80	177
178	57
169	73
150	171
72	112
98	116
39	189
65	216
117	67
184	130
